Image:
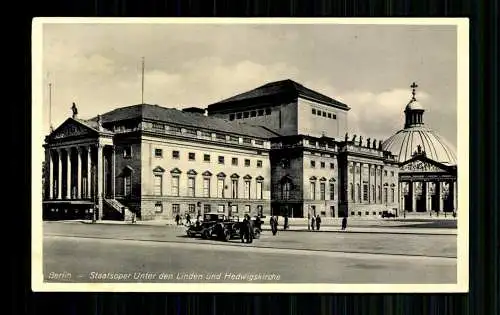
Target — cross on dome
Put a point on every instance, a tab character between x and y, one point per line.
413	87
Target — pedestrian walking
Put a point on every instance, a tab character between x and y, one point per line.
308	221
177	219
188	219
344	223
318	222
274	225
313	222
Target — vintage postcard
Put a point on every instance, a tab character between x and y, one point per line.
250	155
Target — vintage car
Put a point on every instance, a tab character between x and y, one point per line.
388	214
201	228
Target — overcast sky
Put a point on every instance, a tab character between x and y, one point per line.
368	67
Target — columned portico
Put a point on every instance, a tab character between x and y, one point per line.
59	174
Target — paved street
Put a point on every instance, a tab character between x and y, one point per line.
72	251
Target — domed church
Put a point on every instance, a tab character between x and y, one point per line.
428	164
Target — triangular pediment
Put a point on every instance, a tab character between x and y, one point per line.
72	128
158	169
423	164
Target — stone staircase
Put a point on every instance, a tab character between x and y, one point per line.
115	210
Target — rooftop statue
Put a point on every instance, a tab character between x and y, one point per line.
346	137
374	144
75	110
380	144
353	138
368	143
360	140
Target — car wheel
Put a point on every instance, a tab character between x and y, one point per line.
204	235
256	234
227	236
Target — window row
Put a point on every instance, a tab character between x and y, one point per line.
322	191
206	192
207	208
322	113
322	164
252	113
371	193
372	171
207	158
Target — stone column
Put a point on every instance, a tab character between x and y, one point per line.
413	193
369	183
455	196
353	194
79	167
113	167
68	173
441	195
89	172
59	174
51	174
100	178
360	192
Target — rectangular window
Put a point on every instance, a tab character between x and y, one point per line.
259	190
175	186
332	191
220	188
158	153
259	142
234	161
253	113
158	183
247	162
247	140
313	111
365	192
392	173
392	195
206	157
313	191
322	188
127	191
285	191
206	187
176	209
221	159
158	126
322	164
268	111
246	114
247	189
127	152
219	136
175	154
234	188
158	207
334	116
206	208
238	116
247	208
329	115
260	112
231	116
313	164
332	166
192	208
191	156
191	187
324	114
259	163
318	113
234	209
220	208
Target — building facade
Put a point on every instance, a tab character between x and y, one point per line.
278	149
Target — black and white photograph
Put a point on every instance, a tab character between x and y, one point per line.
250	155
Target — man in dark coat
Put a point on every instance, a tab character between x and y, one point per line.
188	219
246	230
318	222
285	225
313	221
177	218
344	223
274	225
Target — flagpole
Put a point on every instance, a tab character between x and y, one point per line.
142	86
50	106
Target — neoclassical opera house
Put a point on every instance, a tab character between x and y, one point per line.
428	165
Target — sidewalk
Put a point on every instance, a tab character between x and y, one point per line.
298	228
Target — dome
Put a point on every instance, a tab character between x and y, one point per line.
407	141
414	105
